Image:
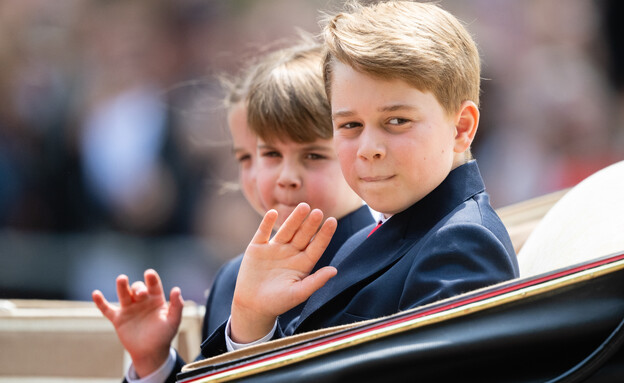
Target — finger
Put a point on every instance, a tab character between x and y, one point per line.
313	282
176	304
153	282
102	304
302	237
292	223
139	291
321	240
263	234
123	290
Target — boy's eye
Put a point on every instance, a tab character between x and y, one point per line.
270	154
244	158
350	125
314	156
397	121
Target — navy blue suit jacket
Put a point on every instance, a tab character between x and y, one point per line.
219	301
448	243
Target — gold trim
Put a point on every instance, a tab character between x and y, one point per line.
513	296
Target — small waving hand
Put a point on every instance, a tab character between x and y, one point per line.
145	323
275	272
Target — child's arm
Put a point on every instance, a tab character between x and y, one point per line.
144	322
274	274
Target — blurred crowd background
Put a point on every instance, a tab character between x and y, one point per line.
115	156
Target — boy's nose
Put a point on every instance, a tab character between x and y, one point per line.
289	178
370	145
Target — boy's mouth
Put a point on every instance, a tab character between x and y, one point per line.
376	178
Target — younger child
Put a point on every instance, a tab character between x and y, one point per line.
300	167
289	112
403	83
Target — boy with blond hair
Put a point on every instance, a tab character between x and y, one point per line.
403	82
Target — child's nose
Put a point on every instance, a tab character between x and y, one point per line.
289	178
371	145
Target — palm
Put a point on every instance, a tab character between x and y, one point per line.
144	326
275	272
145	323
281	269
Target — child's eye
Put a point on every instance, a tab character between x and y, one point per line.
397	121
314	156
244	158
271	154
350	125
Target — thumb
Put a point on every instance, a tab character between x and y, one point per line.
313	282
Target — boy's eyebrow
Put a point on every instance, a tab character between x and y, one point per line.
317	148
342	113
265	146
313	147
388	108
393	108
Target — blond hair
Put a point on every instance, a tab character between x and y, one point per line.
419	43
286	97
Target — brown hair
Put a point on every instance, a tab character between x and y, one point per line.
419	43
286	97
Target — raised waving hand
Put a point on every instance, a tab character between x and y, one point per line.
145	323
275	272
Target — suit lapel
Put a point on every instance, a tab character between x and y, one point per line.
359	258
347	227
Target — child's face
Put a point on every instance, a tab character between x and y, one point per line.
395	143
244	147
290	173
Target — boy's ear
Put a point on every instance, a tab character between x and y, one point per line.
466	124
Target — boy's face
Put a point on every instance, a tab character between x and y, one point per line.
290	173
395	143
244	147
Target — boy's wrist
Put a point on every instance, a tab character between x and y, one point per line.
145	365
247	326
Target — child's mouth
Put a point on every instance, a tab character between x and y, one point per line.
376	178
